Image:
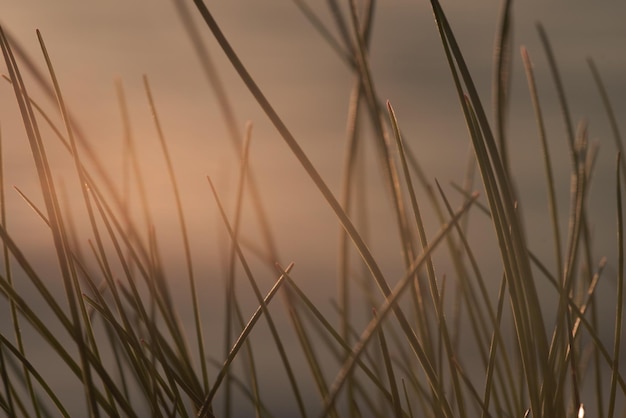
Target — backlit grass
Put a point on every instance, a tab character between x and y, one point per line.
463	343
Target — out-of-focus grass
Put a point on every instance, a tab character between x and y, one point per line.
131	354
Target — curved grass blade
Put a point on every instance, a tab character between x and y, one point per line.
502	78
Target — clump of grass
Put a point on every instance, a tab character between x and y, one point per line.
123	342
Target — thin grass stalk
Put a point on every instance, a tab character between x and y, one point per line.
18	401
7	404
620	147
364	395
236	250
479	323
507	220
14	318
562	335
395	395
49	194
432	279
610	113
137	361
54	343
568	127
581	320
493	348
424	398
232	304
171	365
320	27
502	79
508	230
168	314
576	310
131	154
249	362
521	318
184	232
72	236
341	24
488	151
239	343
229	310
384	146
407	400
313	363
136	299
82	180
243	387
127	337
43	81
349	167
32	371
400	359
321	185
508	379
552	202
337	14
370	372
388	305
154	393
133	347
117	199
228	114
472	390
620	293
130	350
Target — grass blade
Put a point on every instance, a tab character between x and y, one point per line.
620	293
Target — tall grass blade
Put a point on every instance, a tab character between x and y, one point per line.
552	201
529	325
60	241
432	279
184	232
620	292
502	78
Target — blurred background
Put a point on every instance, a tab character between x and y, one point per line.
97	47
